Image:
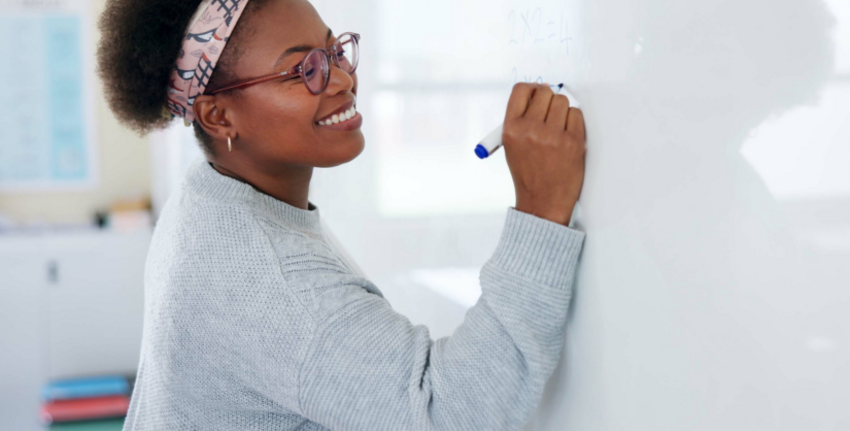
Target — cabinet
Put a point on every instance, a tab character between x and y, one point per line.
71	304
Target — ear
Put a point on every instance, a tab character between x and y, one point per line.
213	116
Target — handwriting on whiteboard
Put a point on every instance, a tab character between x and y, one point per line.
539	26
526	78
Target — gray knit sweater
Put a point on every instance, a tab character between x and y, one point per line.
253	321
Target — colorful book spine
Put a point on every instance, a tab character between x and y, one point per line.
84	409
84	388
95	425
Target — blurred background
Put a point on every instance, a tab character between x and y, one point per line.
80	194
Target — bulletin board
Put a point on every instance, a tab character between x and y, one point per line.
46	96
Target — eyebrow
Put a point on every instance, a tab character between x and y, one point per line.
299	48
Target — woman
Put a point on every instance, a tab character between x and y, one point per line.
253	321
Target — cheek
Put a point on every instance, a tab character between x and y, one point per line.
287	109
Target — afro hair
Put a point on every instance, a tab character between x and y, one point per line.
137	51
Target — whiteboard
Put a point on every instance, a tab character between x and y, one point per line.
714	285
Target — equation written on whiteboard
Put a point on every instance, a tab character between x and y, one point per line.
536	26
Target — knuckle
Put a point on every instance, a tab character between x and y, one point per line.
535	136
530	135
579	146
512	132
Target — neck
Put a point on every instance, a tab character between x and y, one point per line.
290	184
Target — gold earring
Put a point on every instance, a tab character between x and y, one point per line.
228	144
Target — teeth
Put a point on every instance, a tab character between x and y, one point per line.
341	117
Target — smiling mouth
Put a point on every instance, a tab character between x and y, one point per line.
339	117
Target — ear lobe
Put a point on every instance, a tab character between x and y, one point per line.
212	117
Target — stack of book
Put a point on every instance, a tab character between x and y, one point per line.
86	404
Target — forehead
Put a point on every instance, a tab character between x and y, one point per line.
279	25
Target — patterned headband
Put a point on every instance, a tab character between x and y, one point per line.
205	37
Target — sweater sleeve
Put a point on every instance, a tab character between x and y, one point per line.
369	368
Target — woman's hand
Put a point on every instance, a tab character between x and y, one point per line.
544	142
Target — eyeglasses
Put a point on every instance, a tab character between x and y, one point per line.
315	69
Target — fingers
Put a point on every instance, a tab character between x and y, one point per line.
575	123
518	103
557	116
539	104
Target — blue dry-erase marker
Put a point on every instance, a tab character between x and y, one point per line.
494	140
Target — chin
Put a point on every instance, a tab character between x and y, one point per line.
349	151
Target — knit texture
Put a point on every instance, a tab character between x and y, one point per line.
253	321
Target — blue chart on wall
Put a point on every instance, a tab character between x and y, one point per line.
45	103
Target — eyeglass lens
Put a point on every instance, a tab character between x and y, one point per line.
347	53
317	70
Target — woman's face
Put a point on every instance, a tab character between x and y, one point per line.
277	122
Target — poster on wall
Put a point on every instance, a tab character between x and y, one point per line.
46	98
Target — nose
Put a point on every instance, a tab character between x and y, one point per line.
339	81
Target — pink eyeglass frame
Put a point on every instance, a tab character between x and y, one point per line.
298	70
